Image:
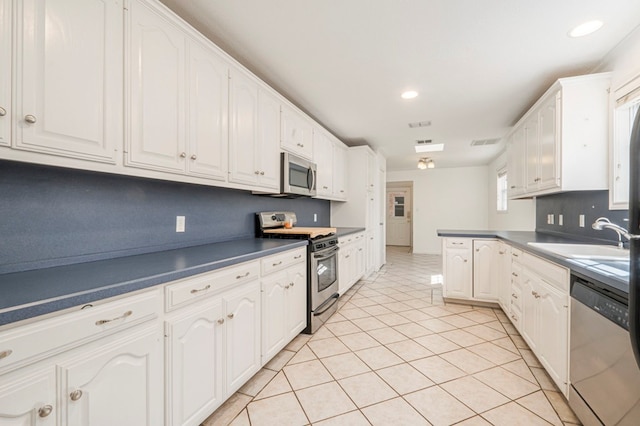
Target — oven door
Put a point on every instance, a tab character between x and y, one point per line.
324	275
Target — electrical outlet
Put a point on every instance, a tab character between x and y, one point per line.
315	217
550	219
560	220
581	221
180	223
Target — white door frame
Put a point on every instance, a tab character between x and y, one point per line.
404	185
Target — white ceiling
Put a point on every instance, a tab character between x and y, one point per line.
477	64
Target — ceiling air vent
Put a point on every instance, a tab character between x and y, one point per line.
420	124
481	142
424	141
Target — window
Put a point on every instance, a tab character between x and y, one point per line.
398	206
502	190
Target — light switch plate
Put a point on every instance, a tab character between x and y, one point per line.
581	221
180	223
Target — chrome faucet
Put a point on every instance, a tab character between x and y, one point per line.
602	223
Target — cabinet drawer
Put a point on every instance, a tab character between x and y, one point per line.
516	255
515	316
550	273
516	296
45	338
281	261
196	288
458	242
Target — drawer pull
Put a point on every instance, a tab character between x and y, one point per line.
514	255
298	256
242	276
515	296
75	395
198	290
45	410
277	263
535	294
291	284
5	353
456	244
230	316
286	287
347	256
103	322
221	321
513	317
3	112
514	274
501	252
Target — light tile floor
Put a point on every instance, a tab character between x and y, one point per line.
396	354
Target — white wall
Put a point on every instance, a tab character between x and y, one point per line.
623	60
520	214
453	198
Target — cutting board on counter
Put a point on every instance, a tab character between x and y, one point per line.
312	232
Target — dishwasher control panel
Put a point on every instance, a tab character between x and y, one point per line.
600	300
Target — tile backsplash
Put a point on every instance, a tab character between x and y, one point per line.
52	216
592	204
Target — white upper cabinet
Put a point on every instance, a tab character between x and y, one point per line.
560	142
208	113
296	133
157	91
323	157
68	91
5	72
254	154
165	133
340	152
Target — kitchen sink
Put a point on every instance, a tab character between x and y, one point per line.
584	251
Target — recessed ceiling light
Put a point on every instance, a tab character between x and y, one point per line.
410	94
432	147
586	28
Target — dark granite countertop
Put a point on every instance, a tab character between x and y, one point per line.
341	232
611	273
28	294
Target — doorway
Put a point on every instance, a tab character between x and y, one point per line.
399	214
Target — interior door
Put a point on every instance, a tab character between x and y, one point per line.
398	216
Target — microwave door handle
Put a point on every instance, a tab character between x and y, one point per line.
312	184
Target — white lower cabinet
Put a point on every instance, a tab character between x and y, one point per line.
117	383
284	313
194	363
545	316
486	269
457	267
503	275
351	260
29	397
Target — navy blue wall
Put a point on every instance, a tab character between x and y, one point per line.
51	216
593	204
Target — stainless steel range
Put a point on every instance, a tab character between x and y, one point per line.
322	262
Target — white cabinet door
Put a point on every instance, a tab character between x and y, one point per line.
360	261
268	143
69	77
296	133
339	170
530	313
5	72
297	300
553	338
274	307
323	157
344	268
458	272
119	383
156	84
548	143
194	363
531	150
516	163
28	398
242	310
208	113
485	269
243	128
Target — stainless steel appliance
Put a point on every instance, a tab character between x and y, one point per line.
322	263
605	380
298	176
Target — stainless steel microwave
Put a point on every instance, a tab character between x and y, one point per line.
298	176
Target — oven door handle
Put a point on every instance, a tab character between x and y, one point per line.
330	302
322	255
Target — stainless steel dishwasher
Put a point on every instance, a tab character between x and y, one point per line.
604	376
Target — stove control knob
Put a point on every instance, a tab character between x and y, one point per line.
273	217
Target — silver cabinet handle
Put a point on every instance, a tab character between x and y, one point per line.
257	172
513	187
3	112
230	316
242	276
514	255
298	256
535	294
286	287
103	322
183	154
45	410
465	261
301	145
342	190
277	263
514	274
198	290
31	119
456	244
5	353
193	157
75	395
501	252
261	173
515	296
513	317
291	284
221	321
346	256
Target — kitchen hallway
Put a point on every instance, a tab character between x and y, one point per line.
395	354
